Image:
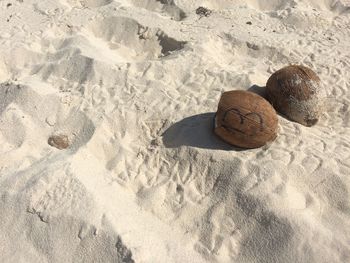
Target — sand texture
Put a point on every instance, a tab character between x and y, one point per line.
107	150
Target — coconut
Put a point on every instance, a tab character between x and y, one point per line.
245	119
295	91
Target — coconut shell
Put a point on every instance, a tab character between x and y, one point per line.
295	92
245	119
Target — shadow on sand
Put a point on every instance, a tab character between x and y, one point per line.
260	90
196	131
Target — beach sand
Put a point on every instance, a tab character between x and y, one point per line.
106	131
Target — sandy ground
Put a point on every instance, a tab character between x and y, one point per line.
133	86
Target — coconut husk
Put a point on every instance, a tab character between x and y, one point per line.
295	92
245	119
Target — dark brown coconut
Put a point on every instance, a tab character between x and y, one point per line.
245	119
295	92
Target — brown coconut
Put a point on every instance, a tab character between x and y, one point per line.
295	92
245	119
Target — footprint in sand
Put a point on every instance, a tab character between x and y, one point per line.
127	34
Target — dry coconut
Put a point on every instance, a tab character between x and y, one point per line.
295	91
245	119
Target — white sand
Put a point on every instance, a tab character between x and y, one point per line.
134	84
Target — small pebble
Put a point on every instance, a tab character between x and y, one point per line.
59	141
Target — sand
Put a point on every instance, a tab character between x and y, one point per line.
131	88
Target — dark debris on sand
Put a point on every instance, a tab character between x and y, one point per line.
202	11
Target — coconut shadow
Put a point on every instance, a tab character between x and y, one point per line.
196	131
260	90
